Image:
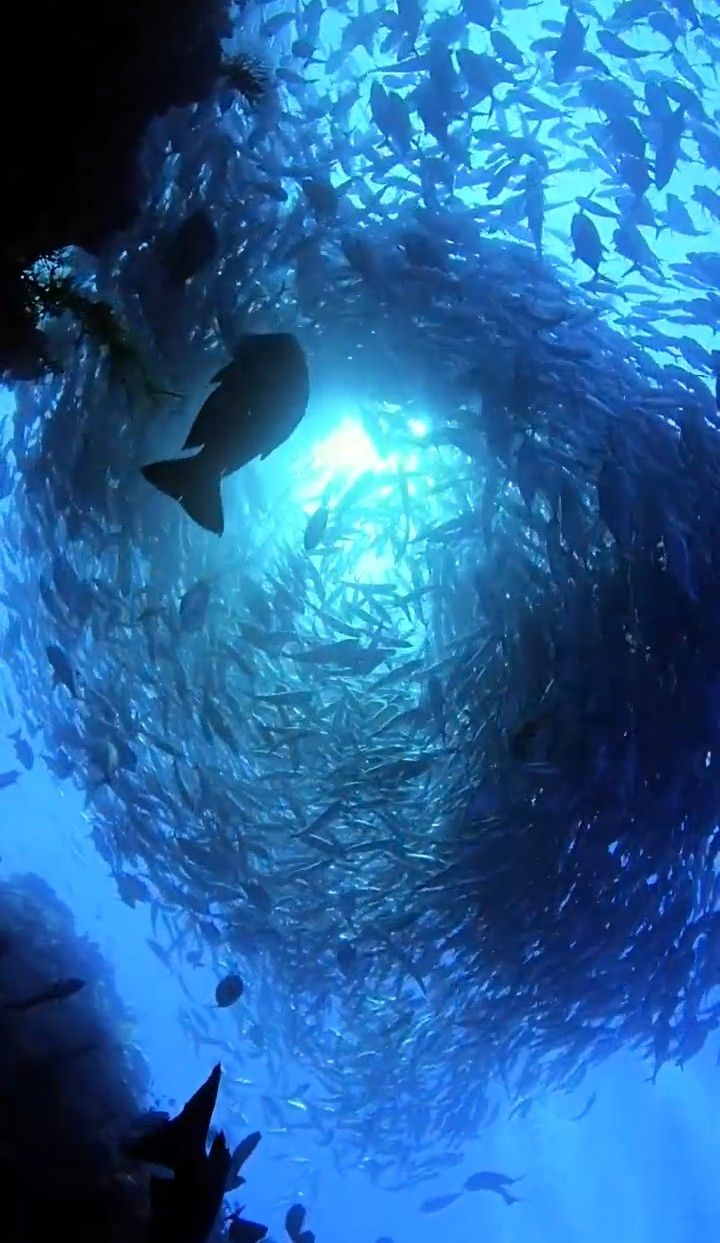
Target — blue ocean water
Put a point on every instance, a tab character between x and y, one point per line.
642	1163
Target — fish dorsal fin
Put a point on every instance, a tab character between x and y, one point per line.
235	369
183	1139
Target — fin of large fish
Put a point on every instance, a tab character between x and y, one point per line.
195	483
181	1141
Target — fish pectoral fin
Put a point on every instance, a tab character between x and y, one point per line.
195	483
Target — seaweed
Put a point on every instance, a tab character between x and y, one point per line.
51	292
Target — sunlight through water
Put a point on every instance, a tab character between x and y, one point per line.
349	459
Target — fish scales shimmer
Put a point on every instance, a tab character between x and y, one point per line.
422	756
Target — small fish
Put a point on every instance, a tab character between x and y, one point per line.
287	698
54	992
322	197
192	610
585	1109
294	1221
505	49
132	889
105	761
436	1203
489	1180
302	48
615	46
595	209
240	1155
62	672
586	241
229	990
316	527
23	751
569	48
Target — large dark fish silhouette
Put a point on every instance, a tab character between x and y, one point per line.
260	399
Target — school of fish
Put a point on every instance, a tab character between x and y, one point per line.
423	755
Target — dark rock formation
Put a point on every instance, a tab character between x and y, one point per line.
92	77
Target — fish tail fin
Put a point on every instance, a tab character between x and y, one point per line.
180	1142
195	483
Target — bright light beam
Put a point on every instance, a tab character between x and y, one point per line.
348	451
